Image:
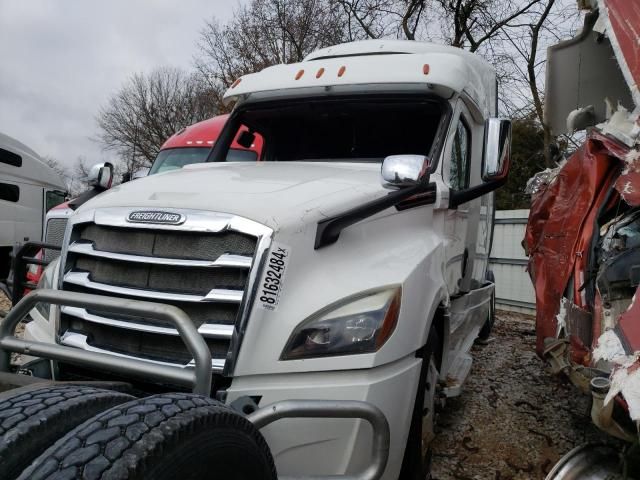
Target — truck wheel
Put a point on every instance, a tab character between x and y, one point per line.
31	421
416	464
163	437
485	331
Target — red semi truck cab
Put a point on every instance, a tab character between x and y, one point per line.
192	145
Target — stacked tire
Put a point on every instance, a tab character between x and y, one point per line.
79	432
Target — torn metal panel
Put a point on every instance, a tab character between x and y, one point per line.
622	125
623	20
609	349
628	184
541	180
582	73
625	381
556	223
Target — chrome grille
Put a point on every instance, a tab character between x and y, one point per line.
54	235
203	269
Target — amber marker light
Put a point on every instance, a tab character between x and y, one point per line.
319	73
425	69
390	320
342	70
299	74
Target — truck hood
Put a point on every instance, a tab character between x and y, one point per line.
274	194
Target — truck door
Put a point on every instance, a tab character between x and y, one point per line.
456	172
471	222
479	210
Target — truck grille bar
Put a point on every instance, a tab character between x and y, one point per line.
216	295
206	266
206	329
224	260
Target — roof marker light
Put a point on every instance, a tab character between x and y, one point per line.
425	69
320	72
299	74
235	84
341	70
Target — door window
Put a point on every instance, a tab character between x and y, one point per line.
460	157
53	198
9	193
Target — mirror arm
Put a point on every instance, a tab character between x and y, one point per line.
329	229
468	194
84	197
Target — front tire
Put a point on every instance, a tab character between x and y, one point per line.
416	464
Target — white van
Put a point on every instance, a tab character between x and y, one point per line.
28	189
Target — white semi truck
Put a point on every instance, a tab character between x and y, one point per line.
28	189
343	277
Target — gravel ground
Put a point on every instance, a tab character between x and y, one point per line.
513	420
4	303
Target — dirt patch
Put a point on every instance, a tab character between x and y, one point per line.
5	306
513	420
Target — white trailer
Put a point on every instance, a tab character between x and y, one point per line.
28	189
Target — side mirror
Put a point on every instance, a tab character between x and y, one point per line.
496	159
401	171
496	155
101	176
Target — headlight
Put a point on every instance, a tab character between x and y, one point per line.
46	281
360	324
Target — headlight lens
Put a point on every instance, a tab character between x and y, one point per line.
360	324
46	281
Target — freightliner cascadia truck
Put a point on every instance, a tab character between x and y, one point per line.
305	314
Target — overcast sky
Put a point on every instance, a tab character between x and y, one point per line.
61	60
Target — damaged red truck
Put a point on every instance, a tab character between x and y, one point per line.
583	233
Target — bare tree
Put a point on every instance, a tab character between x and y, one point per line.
60	169
148	109
373	18
265	33
547	24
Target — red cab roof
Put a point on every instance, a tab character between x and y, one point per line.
204	134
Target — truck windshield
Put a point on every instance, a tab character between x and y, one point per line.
340	130
175	158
